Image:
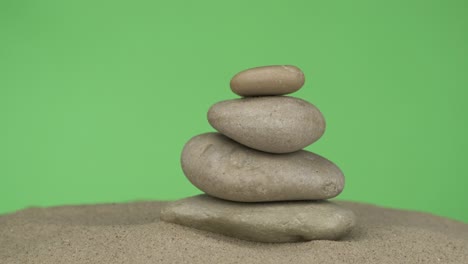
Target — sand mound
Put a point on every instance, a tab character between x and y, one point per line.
132	233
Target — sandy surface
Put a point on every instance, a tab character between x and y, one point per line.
132	233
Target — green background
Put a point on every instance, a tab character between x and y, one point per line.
97	98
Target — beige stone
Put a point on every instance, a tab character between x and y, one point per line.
226	169
276	124
268	80
262	222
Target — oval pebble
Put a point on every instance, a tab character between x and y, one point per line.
277	222
268	80
275	124
226	169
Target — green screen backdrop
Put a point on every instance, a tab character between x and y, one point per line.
97	98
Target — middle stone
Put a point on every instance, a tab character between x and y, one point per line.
226	169
276	124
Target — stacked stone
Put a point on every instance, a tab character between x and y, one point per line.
259	183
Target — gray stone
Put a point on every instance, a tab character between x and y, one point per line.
276	124
268	80
226	169
262	222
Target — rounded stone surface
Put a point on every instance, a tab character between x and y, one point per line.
226	169
268	80
275	124
278	222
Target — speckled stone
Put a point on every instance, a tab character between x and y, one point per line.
268	80
262	222
275	124
226	169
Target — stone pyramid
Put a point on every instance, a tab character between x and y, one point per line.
260	184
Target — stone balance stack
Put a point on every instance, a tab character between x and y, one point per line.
259	183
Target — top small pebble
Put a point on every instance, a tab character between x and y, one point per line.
268	80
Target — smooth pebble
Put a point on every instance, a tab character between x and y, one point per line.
226	169
268	80
263	222
276	124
